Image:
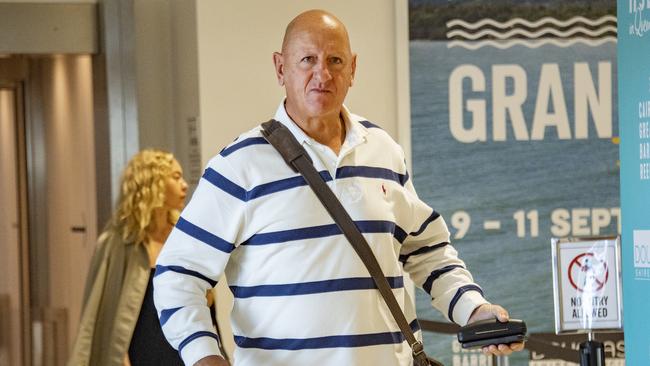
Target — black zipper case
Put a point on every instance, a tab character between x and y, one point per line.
492	331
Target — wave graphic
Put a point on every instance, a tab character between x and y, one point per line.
473	45
520	21
531	35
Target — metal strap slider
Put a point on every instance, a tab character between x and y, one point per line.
417	348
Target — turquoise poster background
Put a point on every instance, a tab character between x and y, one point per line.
634	112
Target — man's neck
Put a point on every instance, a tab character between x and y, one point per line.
328	130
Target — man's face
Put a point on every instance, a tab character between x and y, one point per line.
316	69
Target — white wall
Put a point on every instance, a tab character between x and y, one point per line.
237	84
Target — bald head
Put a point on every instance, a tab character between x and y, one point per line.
314	21
316	67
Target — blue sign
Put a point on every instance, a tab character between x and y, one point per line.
634	112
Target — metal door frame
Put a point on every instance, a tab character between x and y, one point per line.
24	301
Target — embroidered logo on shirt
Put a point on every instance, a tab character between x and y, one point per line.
352	193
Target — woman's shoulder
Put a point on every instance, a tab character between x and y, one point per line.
110	240
104	237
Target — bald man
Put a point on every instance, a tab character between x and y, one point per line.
302	295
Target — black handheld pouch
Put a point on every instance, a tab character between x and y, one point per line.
492	331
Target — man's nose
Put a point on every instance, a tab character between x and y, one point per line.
322	71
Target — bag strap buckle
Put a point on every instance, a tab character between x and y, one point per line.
417	347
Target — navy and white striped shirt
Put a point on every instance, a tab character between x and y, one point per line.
302	295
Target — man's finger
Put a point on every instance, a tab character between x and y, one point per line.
517	346
504	349
502	315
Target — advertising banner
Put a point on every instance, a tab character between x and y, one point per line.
634	112
514	134
613	345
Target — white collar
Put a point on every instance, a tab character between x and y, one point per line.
354	132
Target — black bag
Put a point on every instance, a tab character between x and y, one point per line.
297	158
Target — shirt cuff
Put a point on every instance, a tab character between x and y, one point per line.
199	348
469	301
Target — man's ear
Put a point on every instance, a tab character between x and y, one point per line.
354	68
278	61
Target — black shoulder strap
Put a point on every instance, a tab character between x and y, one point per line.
298	159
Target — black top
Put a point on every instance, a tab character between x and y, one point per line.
148	344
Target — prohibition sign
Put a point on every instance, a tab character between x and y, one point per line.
586	271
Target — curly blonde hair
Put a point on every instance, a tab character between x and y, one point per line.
142	189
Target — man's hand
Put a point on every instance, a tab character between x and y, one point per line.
489	311
212	361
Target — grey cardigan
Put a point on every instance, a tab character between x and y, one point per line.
115	288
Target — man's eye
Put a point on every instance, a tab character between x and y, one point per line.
307	59
336	60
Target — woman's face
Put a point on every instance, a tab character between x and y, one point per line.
175	188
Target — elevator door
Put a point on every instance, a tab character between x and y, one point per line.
63	178
70	180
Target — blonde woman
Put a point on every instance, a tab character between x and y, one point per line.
119	325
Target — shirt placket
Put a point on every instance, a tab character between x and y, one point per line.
347	190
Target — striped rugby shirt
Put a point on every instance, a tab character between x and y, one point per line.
302	295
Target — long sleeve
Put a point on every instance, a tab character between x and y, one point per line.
194	258
433	263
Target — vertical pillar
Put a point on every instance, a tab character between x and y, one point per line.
116	113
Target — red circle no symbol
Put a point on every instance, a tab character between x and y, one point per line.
586	272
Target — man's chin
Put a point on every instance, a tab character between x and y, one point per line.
323	109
